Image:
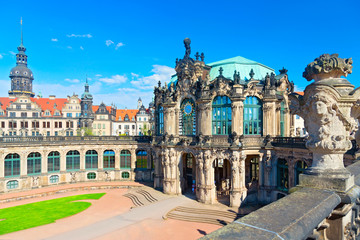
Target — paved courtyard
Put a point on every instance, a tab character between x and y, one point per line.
115	216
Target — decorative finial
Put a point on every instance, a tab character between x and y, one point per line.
202	56
221	71
251	74
86	79
328	66
187	42
21	31
283	71
159	83
197	56
176	61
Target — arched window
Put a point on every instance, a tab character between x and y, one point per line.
91	159
282	175
54	162
54	178
187	124
221	115
109	159
125	159
91	175
252	116
73	160
282	119
12	165
254	169
300	167
85	106
141	159
34	163
160	120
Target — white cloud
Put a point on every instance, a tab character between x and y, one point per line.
1	56
72	80
54	40
114	79
134	75
120	44
81	47
108	42
98	75
69	47
80	35
12	53
59	90
161	73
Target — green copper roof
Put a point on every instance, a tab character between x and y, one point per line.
240	64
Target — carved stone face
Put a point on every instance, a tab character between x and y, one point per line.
319	107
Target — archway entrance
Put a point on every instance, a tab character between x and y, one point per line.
188	178
222	177
252	177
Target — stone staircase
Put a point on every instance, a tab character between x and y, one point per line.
203	215
141	197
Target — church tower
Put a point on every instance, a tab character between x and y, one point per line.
87	115
21	76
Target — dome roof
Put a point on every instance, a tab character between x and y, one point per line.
86	95
21	71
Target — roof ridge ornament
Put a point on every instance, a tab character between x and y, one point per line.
328	66
221	71
251	74
202	56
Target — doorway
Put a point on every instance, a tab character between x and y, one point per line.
188	179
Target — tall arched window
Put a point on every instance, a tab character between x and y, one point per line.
252	116
282	119
109	159
282	175
12	165
91	159
125	159
54	161
141	159
34	163
221	115
187	124
72	160
85	106
254	169
300	167
160	120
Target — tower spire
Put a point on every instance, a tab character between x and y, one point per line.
21	31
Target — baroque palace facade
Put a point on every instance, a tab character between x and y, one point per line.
222	130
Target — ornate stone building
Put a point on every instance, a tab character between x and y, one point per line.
213	129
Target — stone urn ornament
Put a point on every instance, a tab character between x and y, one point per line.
327	108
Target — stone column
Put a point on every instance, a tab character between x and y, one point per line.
132	164
237	110
23	163
209	186
238	190
44	162
269	119
2	164
63	160
100	159
82	152
204	118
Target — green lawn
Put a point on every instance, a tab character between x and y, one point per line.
40	213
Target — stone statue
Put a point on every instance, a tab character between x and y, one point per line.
187	42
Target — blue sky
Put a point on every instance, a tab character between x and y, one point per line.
125	47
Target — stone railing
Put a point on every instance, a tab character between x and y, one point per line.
57	139
293	142
307	213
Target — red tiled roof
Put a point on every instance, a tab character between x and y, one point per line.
44	103
122	112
